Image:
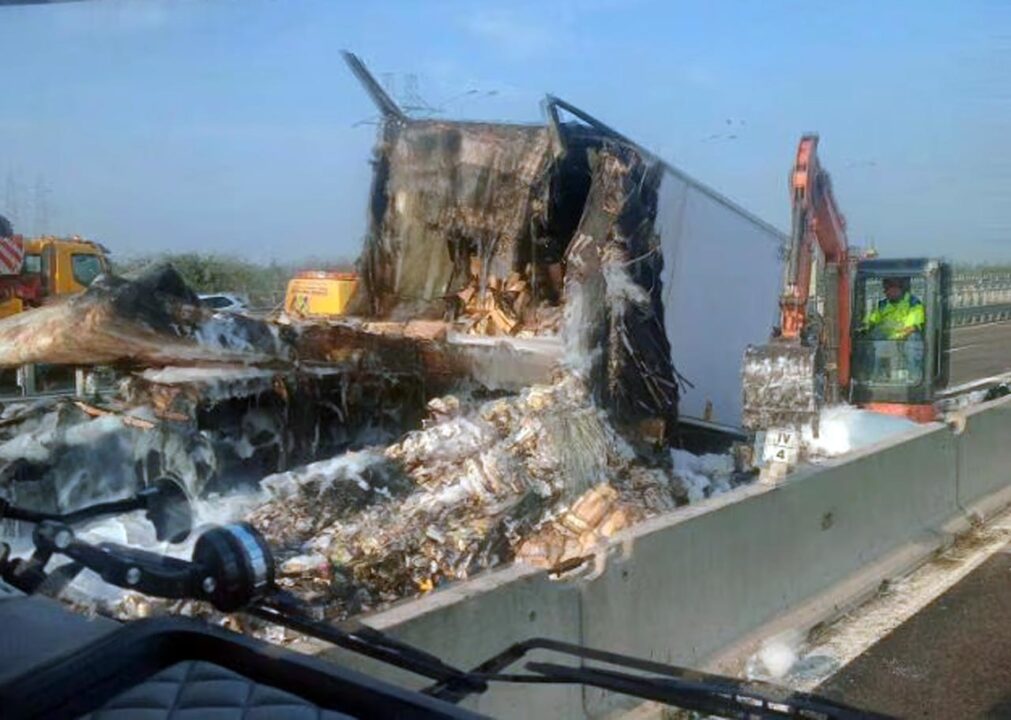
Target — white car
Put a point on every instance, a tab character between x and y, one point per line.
224	302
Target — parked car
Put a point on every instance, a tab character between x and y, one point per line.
225	302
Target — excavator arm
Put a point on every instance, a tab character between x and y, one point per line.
786	381
817	220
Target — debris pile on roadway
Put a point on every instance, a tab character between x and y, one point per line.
544	475
503	388
541	475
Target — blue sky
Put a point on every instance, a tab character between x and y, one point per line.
233	125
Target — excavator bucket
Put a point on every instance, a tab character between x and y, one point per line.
782	386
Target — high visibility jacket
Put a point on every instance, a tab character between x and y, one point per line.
892	318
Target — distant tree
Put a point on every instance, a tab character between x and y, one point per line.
264	285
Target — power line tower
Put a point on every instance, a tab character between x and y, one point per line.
12	198
404	88
412	101
42	195
407	102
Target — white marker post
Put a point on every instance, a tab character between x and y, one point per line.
780	454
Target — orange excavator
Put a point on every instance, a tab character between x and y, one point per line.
822	352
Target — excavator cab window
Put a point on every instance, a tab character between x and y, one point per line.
882	352
898	331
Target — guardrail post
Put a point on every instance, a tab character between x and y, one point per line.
26	380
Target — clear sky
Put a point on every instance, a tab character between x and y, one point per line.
234	126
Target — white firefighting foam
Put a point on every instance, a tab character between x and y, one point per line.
843	429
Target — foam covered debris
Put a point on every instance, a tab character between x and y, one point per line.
843	428
541	476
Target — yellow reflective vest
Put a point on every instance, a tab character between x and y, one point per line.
892	319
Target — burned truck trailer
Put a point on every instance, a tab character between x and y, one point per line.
497	256
651	282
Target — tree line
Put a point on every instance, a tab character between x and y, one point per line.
262	284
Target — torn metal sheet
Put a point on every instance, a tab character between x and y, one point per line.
614	313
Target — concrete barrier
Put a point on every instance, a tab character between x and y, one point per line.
984	457
688	587
702	585
474	620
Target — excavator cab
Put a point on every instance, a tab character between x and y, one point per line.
900	376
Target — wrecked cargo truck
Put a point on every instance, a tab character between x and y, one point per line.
503	228
504	386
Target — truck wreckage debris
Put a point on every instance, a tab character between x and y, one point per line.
541	476
503	388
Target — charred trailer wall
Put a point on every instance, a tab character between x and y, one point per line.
444	194
500	211
614	322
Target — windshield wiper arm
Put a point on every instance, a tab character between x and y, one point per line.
366	641
727	699
668	684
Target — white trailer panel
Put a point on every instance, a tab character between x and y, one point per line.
721	284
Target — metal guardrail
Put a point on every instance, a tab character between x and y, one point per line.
980	297
980	315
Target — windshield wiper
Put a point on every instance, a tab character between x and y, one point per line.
684	688
284	609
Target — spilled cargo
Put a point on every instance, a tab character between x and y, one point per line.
523	349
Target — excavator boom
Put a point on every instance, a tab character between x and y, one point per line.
808	357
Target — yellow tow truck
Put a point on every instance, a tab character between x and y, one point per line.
51	267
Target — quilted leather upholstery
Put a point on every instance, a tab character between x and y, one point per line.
37	631
195	690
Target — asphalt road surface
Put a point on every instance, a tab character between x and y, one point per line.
950	660
980	351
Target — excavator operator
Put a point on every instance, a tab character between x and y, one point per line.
899	316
